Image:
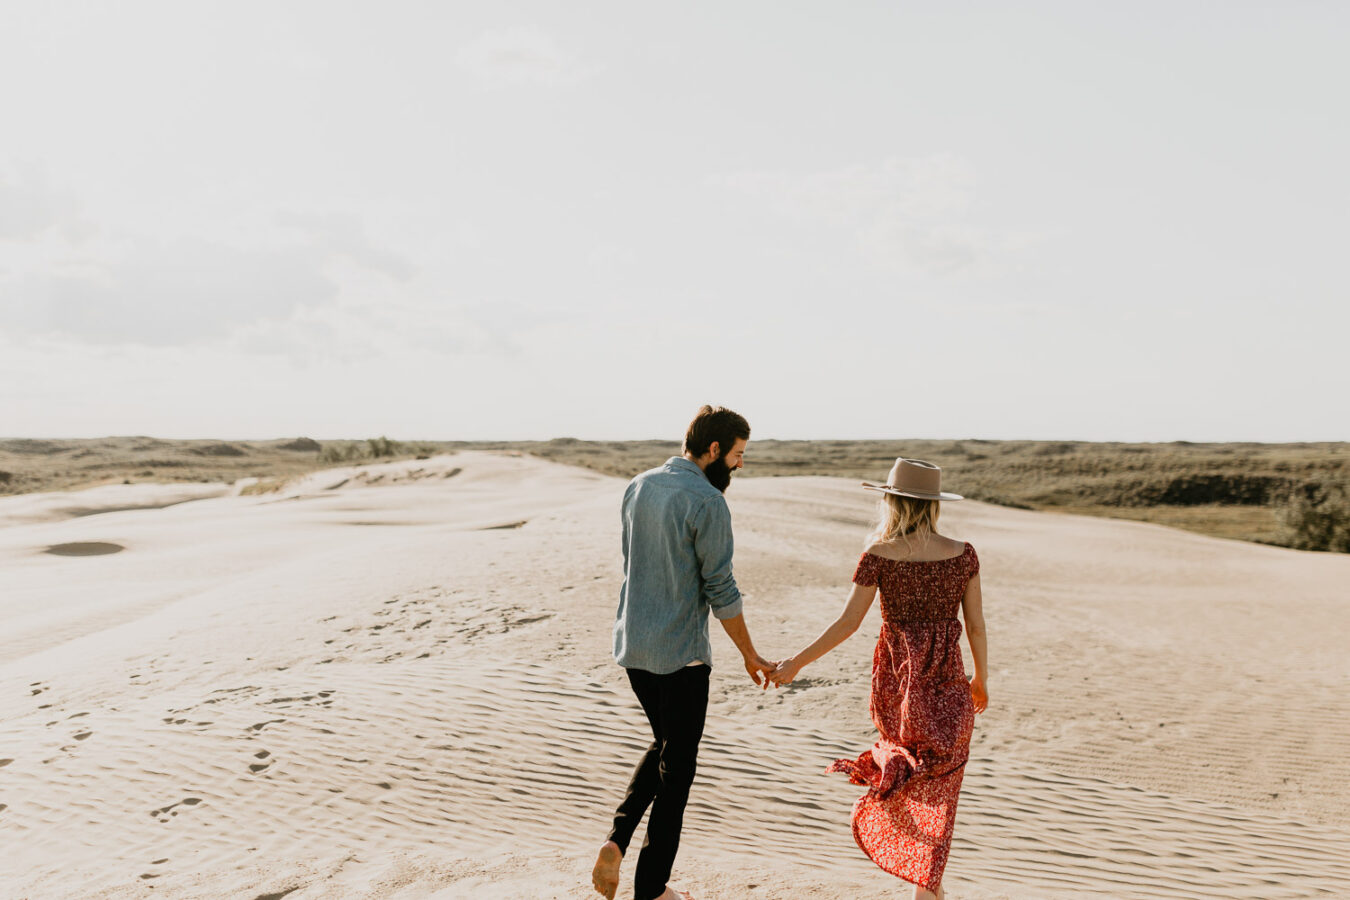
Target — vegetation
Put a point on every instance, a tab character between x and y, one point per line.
373	448
1318	518
1292	494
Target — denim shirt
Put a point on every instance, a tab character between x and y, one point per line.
676	567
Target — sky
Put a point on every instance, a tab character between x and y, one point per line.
514	220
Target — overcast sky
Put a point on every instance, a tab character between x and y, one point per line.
529	220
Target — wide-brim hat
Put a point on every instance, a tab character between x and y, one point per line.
914	478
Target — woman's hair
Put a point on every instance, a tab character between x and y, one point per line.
899	517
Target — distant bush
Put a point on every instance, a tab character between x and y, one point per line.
347	451
302	444
6	477
28	445
1000	500
1191	489
382	446
262	486
1054	448
351	451
217	450
1317	517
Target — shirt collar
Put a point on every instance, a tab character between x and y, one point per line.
679	462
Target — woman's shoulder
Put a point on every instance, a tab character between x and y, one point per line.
898	551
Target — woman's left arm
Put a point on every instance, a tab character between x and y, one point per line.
855	610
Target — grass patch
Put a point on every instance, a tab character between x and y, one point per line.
1291	494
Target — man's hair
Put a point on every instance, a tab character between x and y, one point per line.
715	424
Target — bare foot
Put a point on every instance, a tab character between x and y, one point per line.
605	875
672	894
922	894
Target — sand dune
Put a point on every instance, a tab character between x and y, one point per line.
54	506
394	681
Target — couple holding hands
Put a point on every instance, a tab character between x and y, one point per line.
677	547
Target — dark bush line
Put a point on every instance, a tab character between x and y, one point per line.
1317	517
1203	489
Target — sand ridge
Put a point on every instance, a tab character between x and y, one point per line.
402	687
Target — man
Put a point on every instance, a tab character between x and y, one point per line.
677	567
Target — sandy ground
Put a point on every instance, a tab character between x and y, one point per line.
395	682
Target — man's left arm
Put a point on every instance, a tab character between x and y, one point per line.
755	665
714	546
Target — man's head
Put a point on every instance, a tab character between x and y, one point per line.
716	441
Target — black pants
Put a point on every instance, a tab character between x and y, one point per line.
676	706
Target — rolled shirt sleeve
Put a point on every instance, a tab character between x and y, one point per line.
713	547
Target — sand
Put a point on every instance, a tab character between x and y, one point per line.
394	681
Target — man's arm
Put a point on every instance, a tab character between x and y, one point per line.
757	666
714	547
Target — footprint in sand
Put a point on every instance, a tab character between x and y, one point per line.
84	548
260	767
261	725
163	813
276	895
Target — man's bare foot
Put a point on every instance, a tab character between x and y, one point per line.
672	894
605	875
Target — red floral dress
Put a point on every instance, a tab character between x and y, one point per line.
922	707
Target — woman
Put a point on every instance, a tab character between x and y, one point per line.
922	703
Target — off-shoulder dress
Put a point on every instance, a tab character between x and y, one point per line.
921	705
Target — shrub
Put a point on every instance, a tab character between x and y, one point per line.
1317	518
219	449
344	452
382	446
999	500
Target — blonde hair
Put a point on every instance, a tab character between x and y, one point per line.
899	517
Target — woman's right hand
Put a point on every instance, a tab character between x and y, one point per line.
979	693
785	672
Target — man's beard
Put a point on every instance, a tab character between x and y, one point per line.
719	474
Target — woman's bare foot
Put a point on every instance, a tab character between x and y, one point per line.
605	875
672	894
922	894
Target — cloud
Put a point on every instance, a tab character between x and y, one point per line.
923	188
183	291
518	56
938	249
134	290
906	210
343	234
30	205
